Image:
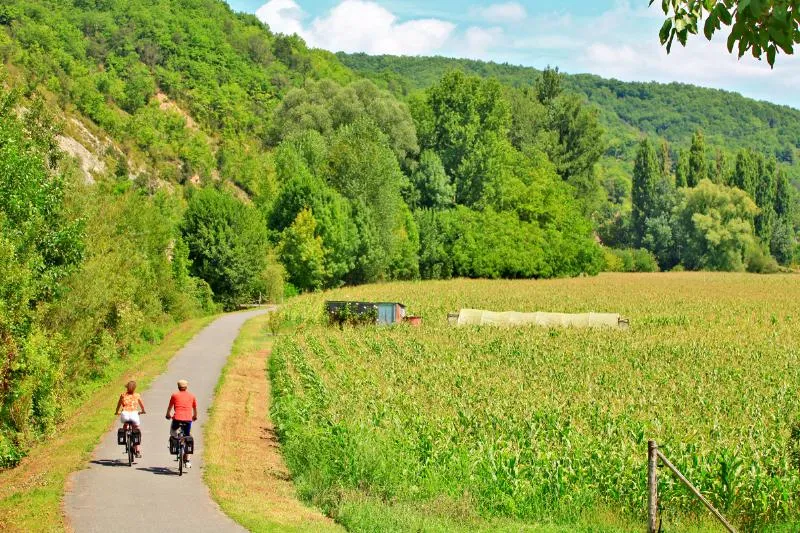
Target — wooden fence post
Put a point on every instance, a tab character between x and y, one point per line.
652	485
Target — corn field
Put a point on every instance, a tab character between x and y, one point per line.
540	425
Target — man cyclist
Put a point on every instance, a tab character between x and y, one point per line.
131	406
182	409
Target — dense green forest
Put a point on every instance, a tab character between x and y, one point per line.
627	110
169	158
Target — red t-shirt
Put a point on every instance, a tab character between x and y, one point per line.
184	403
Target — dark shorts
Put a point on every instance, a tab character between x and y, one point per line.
185	424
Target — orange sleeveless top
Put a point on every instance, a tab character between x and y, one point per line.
130	402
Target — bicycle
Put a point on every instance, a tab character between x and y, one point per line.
128	440
180	448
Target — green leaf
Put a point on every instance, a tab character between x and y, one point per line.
665	31
771	55
723	14
682	35
710	26
743	45
731	42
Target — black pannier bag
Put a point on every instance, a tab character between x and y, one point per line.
189	444
173	445
136	436
121	436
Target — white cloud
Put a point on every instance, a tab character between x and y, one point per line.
478	42
499	13
359	26
283	16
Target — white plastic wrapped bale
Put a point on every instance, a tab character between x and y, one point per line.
478	317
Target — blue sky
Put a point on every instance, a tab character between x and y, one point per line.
612	38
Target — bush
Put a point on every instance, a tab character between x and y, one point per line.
273	289
491	244
613	262
630	260
644	261
759	261
348	314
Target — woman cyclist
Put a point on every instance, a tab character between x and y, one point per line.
132	406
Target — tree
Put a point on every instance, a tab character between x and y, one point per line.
719	169
783	242
745	174
301	252
494	244
41	245
325	106
435	260
698	170
548	85
715	227
765	199
529	119
299	163
664	159
465	112
646	174
362	167
682	169
784	238
761	27
579	142
228	244
783	195
432	183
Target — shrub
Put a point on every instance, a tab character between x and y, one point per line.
613	262
349	314
759	261
630	260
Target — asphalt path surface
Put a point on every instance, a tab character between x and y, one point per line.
110	496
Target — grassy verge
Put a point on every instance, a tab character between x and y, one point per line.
31	494
244	469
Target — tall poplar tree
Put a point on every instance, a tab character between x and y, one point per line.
765	199
646	174
698	170
682	169
664	159
746	171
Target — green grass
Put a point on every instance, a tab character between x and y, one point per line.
31	494
439	428
246	475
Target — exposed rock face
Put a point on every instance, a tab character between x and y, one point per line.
89	163
165	104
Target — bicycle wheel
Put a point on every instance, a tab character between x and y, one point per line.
129	446
180	459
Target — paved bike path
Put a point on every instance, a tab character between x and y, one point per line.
110	496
